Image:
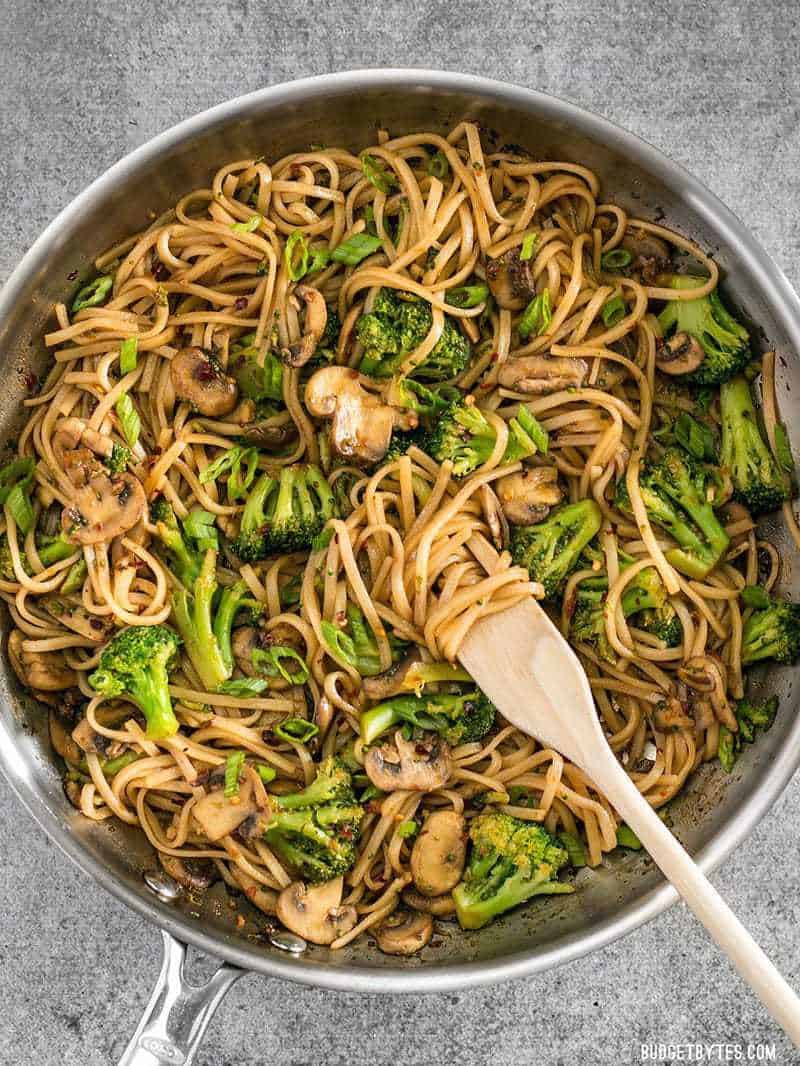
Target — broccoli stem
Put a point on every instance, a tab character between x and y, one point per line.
254	516
193	618
152	696
385	715
229	603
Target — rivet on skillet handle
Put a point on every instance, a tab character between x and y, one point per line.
178	1013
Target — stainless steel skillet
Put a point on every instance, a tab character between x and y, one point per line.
715	813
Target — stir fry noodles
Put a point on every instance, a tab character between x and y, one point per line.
307	428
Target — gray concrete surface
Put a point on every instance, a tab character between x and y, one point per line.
714	85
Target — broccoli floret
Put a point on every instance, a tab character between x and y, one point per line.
257	380
231	600
136	665
197	623
284	514
510	861
315	830
758	481
356	643
395	326
549	551
119	458
676	493
186	560
460	718
326	347
463	434
645	597
772	633
587	624
752	718
725	341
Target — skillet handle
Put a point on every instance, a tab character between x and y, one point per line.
176	1018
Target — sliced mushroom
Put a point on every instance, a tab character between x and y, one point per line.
536	375
74	616
104	505
194	874
266	899
390	683
299	353
270	432
705	674
510	280
244	413
438	906
112	717
315	912
46	671
361	424
495	517
218	816
680	354
404	932
198	378
439	853
650	253
528	495
416	765
62	742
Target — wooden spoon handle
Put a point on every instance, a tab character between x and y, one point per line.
698	892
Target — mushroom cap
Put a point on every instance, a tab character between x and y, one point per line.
316	318
438	906
527	496
705	674
314	912
418	766
198	378
103	505
439	853
60	738
536	375
404	932
510	280
681	354
46	671
218	817
194	874
390	683
361	424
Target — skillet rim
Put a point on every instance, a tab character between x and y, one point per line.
782	300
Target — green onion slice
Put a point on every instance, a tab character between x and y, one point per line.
296	730
129	419
94	293
233	768
356	248
128	355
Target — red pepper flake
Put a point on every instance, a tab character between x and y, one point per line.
241	303
31	381
495	357
204	371
95	623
